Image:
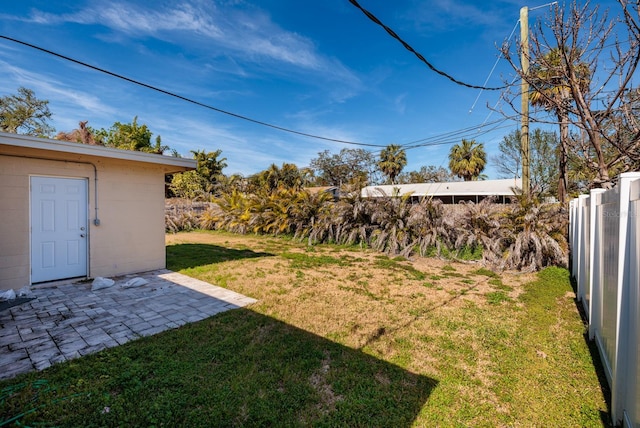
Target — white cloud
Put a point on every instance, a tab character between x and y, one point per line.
438	15
65	103
246	32
400	103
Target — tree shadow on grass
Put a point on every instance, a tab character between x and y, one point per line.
184	256
238	368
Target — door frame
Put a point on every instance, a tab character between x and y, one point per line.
88	228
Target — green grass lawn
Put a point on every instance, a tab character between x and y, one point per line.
339	337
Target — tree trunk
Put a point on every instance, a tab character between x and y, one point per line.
563	118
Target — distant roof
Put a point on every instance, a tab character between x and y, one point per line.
320	189
454	188
16	140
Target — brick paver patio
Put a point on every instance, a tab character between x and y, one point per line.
69	320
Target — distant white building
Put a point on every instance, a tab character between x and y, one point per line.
450	192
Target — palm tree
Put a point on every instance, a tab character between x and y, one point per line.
534	235
391	234
467	160
392	160
550	79
289	176
209	166
235	211
430	225
481	226
306	210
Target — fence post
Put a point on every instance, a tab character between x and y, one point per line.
572	234
594	271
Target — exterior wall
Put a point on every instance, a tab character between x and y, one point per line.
130	237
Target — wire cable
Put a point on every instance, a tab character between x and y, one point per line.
493	68
183	98
393	34
457	140
468	132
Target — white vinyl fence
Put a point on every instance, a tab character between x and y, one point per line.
604	238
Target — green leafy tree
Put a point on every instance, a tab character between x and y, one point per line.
543	162
392	160
467	160
188	185
131	136
426	174
350	166
23	113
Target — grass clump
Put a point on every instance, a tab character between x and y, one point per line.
497	297
498	284
399	265
306	261
486	272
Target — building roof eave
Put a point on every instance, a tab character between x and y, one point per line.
172	164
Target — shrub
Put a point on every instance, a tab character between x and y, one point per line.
536	235
235	212
430	226
189	185
480	226
526	235
391	232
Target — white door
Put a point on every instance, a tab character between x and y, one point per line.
58	228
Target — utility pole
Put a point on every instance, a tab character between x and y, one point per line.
524	125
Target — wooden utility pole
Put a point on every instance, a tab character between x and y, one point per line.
524	127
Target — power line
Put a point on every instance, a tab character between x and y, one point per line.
448	137
183	98
393	34
456	140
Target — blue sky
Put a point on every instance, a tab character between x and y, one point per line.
320	67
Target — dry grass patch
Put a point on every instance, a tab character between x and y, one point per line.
352	295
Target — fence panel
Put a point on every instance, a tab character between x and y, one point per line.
579	241
608	225
605	246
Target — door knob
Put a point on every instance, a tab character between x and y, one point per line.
82	235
